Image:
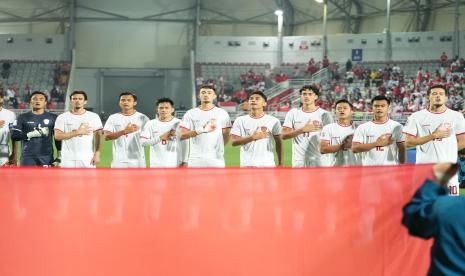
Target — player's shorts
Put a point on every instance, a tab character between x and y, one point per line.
454	186
128	164
76	164
205	163
306	163
39	161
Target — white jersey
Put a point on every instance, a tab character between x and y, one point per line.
369	132
127	148
206	146
79	148
7	117
259	153
163	153
335	134
424	122
306	146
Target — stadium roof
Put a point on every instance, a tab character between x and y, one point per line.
297	12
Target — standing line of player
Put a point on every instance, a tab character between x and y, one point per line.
198	139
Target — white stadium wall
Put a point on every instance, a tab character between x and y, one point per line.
132	45
32	46
405	46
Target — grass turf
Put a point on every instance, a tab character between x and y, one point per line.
231	155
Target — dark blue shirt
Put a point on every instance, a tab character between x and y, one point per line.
433	214
37	146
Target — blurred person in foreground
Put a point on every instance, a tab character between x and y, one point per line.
431	213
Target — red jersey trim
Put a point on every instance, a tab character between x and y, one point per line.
380	123
206	109
310	111
410	134
461	133
436	112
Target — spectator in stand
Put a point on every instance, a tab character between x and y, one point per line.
6	66
444	58
348	65
296	73
396	69
325	62
240	96
281	77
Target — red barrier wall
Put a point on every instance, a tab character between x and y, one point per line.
325	221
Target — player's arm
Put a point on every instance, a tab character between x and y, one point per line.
402	152
98	147
439	133
130	128
288	133
382	141
257	135
12	159
461	141
325	147
226	135
82	130
279	149
206	128
187	133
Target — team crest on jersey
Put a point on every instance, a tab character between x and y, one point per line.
46	121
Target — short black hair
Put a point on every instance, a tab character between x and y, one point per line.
39	93
207	87
2	94
311	88
381	98
128	93
260	93
441	86
344	101
164	100
79	92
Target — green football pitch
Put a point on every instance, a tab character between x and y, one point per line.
231	155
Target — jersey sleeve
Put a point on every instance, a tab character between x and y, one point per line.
326	119
397	134
276	128
410	127
187	121
17	129
109	126
97	123
358	135
288	121
60	123
226	120
460	124
325	134
237	128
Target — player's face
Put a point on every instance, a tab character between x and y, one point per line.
164	110
78	101
127	103
380	108
256	102
38	101
207	95
308	97
343	111
437	97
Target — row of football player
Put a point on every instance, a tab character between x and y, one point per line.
436	131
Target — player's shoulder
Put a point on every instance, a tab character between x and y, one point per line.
394	123
64	115
220	111
272	118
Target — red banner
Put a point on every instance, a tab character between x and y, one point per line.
322	221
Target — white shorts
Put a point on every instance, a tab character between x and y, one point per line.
76	164
206	163
306	163
128	164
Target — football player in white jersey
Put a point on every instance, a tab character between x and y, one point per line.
380	141
336	138
207	127
162	135
303	125
124	129
7	118
255	134
81	133
437	132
